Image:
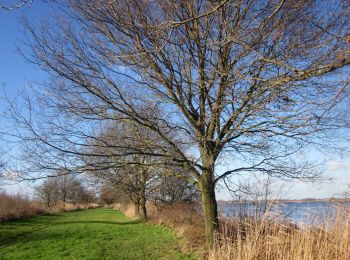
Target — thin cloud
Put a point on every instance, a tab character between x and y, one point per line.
333	166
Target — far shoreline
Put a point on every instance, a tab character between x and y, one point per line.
220	202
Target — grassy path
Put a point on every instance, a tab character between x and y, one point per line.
88	234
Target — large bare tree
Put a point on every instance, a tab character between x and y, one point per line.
248	83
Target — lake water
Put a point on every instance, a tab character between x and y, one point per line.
309	213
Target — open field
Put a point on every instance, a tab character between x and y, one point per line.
88	234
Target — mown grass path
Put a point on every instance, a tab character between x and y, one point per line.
88	234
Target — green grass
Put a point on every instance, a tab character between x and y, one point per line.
88	234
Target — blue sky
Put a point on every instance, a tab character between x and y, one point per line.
16	74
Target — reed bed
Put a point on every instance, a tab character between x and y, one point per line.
275	238
17	207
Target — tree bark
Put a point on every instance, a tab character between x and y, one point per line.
143	210
207	188
137	208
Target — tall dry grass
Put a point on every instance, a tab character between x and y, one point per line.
255	239
184	219
128	209
17	207
273	239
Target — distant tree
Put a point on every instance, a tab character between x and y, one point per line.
2	163
2	167
136	175
108	195
258	191
81	194
47	192
69	188
65	185
65	188
134	182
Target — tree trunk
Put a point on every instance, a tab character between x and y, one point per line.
136	201
64	201
137	209
143	210
210	210
207	188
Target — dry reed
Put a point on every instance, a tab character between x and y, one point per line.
273	239
184	220
17	207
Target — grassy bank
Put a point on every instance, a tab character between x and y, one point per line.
87	234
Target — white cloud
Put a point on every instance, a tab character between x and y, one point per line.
333	166
10	175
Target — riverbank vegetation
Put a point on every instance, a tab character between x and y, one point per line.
239	237
275	239
265	237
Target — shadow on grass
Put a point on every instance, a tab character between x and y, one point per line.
128	222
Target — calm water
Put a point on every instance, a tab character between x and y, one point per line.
309	213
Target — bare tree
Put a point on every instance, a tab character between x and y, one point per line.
70	189
173	187
135	173
2	152
247	83
254	196
65	188
47	192
110	195
134	182
140	176
2	169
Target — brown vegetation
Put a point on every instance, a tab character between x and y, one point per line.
251	238
273	239
17	207
183	218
